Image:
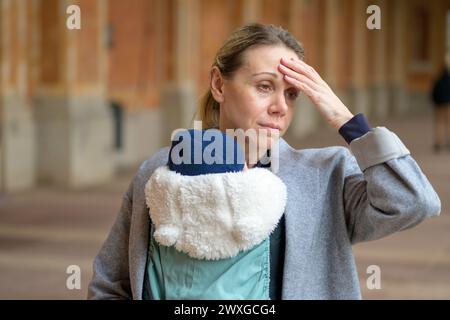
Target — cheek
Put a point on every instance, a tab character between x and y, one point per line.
247	107
288	119
290	114
257	104
253	105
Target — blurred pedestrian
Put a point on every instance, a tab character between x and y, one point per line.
441	103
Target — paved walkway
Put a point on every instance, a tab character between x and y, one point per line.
43	231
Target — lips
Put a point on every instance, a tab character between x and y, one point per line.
270	126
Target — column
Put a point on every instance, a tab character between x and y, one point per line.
338	54
251	11
178	91
378	66
73	119
17	161
304	25
398	59
358	86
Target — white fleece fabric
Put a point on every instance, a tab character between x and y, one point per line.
214	216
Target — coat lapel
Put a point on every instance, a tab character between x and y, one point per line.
303	182
139	231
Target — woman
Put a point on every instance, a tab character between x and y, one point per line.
334	198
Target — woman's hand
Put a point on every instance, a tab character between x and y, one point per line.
307	80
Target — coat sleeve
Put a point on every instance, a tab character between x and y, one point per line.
111	278
384	189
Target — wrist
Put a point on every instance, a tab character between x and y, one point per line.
342	119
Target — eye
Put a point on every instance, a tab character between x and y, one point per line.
292	94
264	87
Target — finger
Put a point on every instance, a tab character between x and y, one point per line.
310	70
315	75
307	66
301	67
304	87
300	77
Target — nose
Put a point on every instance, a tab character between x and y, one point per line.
279	106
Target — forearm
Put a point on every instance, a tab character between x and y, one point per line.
391	194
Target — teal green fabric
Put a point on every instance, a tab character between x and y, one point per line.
171	274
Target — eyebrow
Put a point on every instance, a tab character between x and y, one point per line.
265	72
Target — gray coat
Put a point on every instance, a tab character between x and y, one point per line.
336	198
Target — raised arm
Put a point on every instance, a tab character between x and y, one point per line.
385	190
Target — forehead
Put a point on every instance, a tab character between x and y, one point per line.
266	58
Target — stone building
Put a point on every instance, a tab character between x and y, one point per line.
77	104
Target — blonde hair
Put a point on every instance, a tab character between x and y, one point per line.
229	58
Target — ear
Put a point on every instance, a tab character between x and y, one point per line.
217	84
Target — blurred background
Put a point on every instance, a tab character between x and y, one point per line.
81	109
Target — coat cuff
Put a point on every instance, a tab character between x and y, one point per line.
377	146
355	128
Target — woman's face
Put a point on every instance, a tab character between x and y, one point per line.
256	96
